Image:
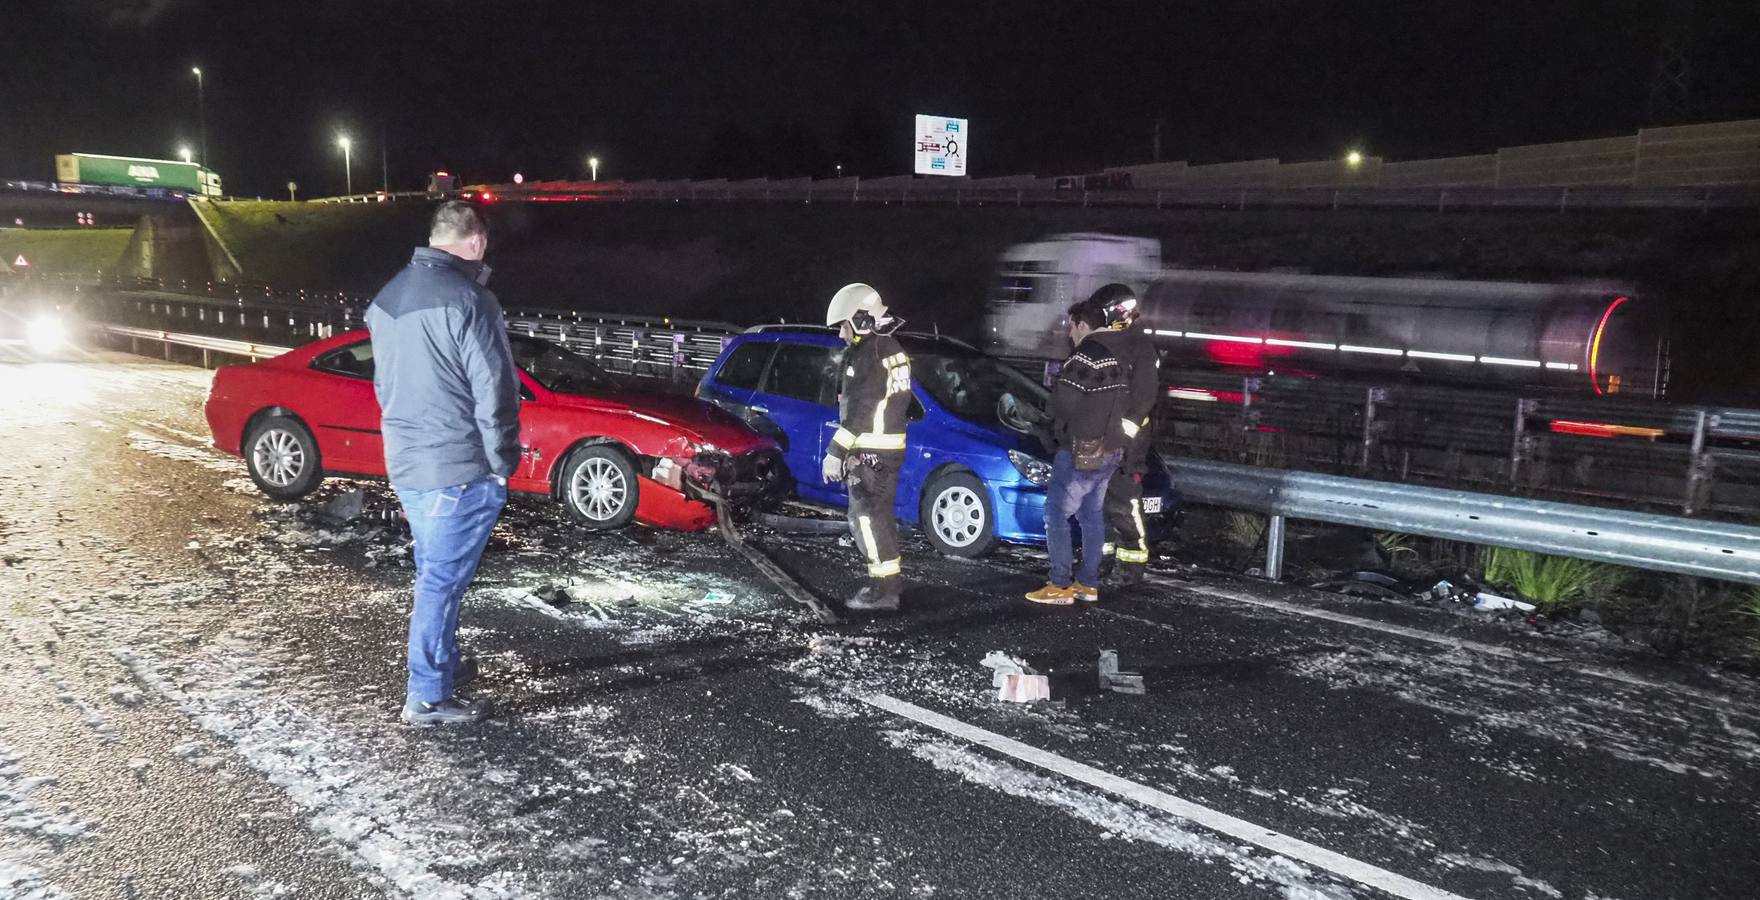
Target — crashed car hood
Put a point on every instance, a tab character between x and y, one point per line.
705	422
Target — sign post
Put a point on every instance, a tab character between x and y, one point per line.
942	145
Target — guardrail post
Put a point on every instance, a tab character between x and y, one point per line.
1699	466
1441	200
1249	416
1157	199
1564	198
1520	444
1274	548
1371	429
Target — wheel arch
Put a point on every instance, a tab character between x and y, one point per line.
949	467
266	412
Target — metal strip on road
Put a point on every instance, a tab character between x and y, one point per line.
1282	844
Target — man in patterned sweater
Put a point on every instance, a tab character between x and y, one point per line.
1087	412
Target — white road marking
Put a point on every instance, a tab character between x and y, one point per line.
1356	870
1556	662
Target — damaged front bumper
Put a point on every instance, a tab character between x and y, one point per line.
712	476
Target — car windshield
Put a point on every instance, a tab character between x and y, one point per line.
560	369
971	385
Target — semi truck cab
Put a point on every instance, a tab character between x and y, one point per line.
1035	283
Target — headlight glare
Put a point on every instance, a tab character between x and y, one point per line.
46	334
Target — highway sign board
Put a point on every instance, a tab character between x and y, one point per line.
942	145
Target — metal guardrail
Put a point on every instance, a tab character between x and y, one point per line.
1558	199
208	345
1641	540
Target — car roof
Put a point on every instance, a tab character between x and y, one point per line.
823	336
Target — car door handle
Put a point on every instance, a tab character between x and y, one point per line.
758	409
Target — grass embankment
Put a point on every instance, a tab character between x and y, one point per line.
318	245
83	250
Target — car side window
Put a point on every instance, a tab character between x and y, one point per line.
742	370
803	372
353	361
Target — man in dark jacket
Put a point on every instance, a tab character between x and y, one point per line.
868	449
1127	538
449	400
1087	413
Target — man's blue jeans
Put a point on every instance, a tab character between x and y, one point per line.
451	526
1081	496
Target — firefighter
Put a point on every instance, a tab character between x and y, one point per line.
1127	539
868	449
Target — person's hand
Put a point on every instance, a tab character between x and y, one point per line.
832	469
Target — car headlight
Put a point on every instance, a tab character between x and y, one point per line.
1032	468
46	334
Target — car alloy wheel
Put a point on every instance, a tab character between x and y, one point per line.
278	456
598	487
282	457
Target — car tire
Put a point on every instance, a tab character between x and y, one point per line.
282	457
957	516
598	487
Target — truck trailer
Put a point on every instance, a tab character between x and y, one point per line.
126	171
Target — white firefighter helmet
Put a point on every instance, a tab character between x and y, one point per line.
857	304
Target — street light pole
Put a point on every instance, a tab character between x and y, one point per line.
202	112
593	164
347	162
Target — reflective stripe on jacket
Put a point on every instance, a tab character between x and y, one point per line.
875	398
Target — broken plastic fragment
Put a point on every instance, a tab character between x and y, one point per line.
1003	665
1492	601
1119	682
347	506
717	597
1018	687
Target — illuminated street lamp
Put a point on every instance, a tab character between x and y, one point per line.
201	111
1353	159
593	166
186	154
347	161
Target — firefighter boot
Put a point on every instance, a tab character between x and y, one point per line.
874	599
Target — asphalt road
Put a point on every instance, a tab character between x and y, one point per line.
198	696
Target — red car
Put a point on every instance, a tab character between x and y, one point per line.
611	455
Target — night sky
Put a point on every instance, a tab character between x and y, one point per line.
677	88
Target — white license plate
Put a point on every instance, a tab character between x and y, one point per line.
1152	505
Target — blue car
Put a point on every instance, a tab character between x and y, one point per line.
975	462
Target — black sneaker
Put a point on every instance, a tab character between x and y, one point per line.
451	711
870	600
465	672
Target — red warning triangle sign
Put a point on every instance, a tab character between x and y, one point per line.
20	262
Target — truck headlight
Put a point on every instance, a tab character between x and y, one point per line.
1032	468
45	334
